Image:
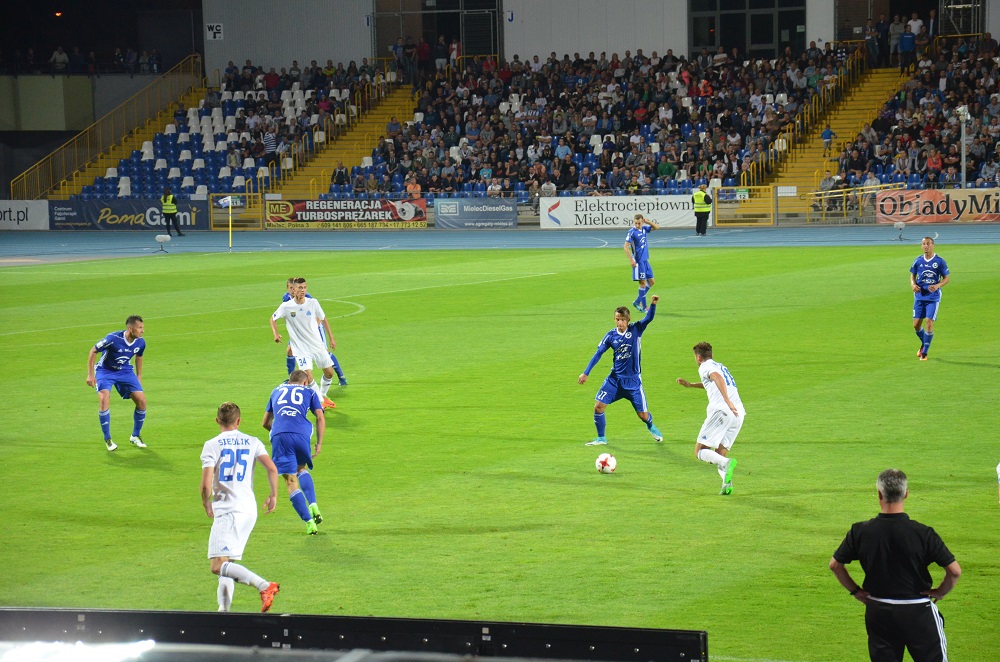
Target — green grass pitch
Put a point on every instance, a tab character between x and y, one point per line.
454	480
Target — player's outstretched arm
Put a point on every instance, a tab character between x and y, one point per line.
329	334
320	429
686	384
274	330
720	384
271	502
628	253
582	379
91	379
207	477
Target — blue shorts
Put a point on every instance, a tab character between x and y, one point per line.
611	391
290	451
642	271
926	310
124	381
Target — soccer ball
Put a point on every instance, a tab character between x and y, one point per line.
606	463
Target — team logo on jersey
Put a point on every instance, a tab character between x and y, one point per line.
292	313
308	313
135	351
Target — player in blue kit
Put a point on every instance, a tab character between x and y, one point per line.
114	369
290	286
625	380
637	251
928	275
286	417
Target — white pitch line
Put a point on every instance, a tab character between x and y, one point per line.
236	310
604	242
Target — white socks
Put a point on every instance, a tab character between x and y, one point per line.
314	386
242	575
225	593
710	456
325	386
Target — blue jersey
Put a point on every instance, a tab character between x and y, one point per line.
640	247
290	404
627	348
928	272
118	352
288	297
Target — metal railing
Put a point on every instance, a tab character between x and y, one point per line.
847	205
46	175
792	137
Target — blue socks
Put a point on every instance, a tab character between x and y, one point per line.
601	423
336	366
649	422
642	295
920	334
928	337
307	485
138	418
290	363
299	504
105	417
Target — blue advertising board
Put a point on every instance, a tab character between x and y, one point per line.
475	213
124	215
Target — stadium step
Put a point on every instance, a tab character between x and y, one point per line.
805	166
74	183
313	179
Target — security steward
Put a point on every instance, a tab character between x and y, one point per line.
169	203
702	208
900	603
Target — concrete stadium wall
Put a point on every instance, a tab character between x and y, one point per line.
272	34
568	26
581	26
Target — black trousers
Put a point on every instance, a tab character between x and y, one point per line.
701	221
171	219
918	627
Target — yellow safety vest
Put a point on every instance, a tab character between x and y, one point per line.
699	202
169	204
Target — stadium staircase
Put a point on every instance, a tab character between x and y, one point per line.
352	148
134	141
802	170
805	166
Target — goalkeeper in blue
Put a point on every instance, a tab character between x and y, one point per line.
625	380
286	418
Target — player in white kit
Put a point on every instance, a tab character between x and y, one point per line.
302	317
227	464
724	415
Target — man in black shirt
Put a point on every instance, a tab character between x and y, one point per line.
897	592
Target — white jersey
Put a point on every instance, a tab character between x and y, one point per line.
715	399
233	455
302	320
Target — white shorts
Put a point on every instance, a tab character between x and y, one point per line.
720	429
230	533
306	361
